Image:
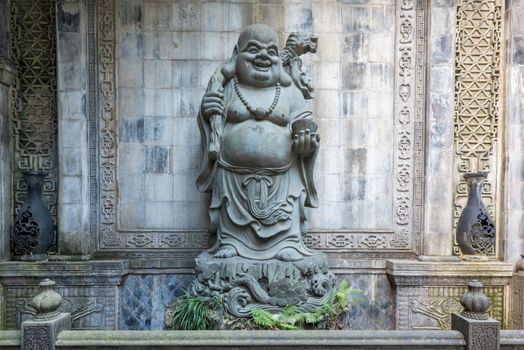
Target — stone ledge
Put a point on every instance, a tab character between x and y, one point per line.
91	272
262	339
424	273
10	339
512	337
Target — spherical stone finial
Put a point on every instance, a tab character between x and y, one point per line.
520	264
47	302
475	303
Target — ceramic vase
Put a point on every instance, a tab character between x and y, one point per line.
475	227
33	231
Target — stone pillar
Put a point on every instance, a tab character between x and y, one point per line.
438	220
512	244
480	331
72	89
7	77
41	332
517	297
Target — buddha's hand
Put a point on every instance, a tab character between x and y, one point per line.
305	142
212	103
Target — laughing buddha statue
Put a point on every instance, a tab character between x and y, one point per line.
259	145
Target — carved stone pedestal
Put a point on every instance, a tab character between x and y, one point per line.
267	284
42	334
428	292
479	334
90	290
517	297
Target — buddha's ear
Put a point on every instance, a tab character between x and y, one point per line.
228	69
285	79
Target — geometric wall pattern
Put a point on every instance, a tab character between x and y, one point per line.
33	104
477	98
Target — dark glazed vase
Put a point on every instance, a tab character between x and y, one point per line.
475	228
33	227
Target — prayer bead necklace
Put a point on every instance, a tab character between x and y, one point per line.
259	112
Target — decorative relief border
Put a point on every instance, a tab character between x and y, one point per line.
437	303
92	115
107	143
90	308
409	121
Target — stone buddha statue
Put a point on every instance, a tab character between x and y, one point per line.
261	179
259	145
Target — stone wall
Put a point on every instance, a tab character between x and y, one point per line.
514	204
514	160
144	296
154	60
438	235
7	74
72	98
5	173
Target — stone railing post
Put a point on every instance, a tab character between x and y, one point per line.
480	331
41	331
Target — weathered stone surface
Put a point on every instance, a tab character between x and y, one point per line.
72	86
90	290
322	340
427	292
479	334
143	299
42	334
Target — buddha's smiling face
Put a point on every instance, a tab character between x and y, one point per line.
258	62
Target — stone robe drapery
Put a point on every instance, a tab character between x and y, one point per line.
259	211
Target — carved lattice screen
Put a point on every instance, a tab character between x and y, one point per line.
477	99
34	97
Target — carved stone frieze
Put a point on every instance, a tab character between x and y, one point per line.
484	337
90	291
37	338
428	292
477	99
517	301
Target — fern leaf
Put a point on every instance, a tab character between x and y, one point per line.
263	318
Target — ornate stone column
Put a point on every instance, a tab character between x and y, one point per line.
480	331
41	331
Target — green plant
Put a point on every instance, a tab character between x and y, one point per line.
201	313
189	312
331	315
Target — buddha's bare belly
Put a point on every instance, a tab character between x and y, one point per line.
256	144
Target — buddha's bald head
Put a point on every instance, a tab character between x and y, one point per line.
259	32
258	62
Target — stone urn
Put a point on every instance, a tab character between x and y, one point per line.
475	303
33	231
47	302
475	227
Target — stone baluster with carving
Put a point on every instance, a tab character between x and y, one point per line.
480	331
41	331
